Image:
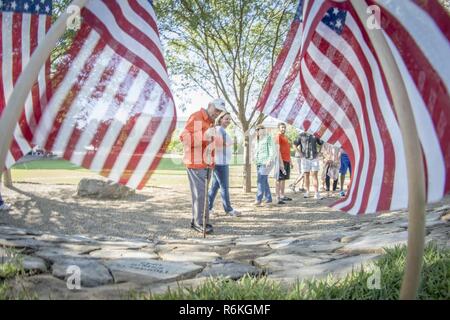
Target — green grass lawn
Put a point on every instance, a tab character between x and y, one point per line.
435	283
59	164
170	172
47	165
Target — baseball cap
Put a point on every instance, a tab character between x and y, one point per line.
219	104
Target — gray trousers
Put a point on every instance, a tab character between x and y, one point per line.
197	181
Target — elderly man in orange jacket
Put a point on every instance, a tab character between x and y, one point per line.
198	140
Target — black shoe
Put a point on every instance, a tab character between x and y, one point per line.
196	227
281	202
286	199
192	224
207	225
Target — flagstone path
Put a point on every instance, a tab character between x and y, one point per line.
144	243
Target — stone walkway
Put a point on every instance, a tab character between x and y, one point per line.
112	267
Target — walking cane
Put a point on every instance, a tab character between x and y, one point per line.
208	172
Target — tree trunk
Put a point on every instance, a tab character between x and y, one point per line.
247	183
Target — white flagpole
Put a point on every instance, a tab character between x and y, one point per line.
27	78
413	152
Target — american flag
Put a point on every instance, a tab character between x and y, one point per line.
24	24
330	83
112	110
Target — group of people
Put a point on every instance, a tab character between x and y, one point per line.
272	154
208	152
310	150
275	153
207	156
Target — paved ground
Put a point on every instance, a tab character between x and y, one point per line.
144	243
162	212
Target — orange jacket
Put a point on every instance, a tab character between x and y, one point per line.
198	147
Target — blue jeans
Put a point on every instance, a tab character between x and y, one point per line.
220	180
263	185
345	165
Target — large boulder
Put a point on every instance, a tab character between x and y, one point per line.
94	188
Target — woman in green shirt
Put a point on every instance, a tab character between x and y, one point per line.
264	158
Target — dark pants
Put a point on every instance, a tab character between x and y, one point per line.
1	200
220	181
327	183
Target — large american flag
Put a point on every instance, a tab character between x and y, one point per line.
112	110
24	24
328	81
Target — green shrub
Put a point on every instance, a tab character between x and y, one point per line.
12	270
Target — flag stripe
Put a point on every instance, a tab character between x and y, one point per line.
21	29
426	93
136	126
362	69
54	115
146	165
82	90
116	116
343	89
439	16
145	59
112	110
73	84
147	16
282	65
127	84
422	32
111	78
344	98
365	95
389	126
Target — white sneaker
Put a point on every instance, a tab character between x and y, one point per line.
306	195
292	187
317	196
234	213
5	207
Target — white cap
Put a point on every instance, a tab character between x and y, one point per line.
219	104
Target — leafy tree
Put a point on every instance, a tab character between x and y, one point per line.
60	6
175	145
227	49
446	4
